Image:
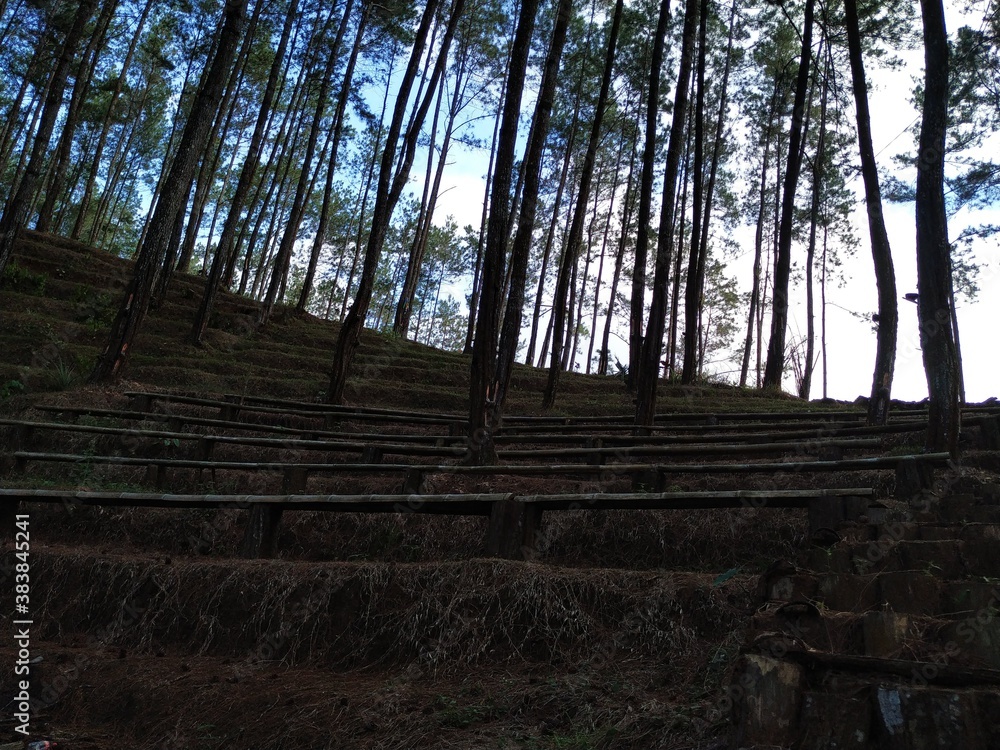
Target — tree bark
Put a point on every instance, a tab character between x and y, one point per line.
638	302
135	303
303	186
387	193
582	199
759	235
511	327
98	152
696	261
339	115
61	159
808	364
225	251
604	354
18	205
885	277
649	365
484	347
775	366
933	250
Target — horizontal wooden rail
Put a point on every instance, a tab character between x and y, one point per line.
595	453
177	421
229	410
335	440
409	503
350	444
652	475
514	521
572	434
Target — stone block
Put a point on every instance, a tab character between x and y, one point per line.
906	592
848	593
941	558
885	633
981	556
831	720
770	692
922	718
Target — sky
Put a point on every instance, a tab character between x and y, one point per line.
851	341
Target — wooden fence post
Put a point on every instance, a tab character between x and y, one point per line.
829	512
513	527
261	536
913	476
989	433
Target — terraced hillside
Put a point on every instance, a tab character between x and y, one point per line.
217	560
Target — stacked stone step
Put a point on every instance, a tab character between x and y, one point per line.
879	636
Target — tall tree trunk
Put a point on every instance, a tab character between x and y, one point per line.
885	277
225	251
759	234
550	237
697	273
15	212
136	299
338	129
303	186
470	330
696	262
116	92
814	210
404	306
511	328
775	367
387	194
934	281
675	294
61	159
484	348
822	313
638	302
604	354
366	193
582	199
600	265
649	365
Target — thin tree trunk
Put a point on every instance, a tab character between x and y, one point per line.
809	365
511	328
136	300
84	73
225	254
303	187
759	234
404	306
386	196
604	354
338	129
481	242
706	217
649	368
934	281
775	366
582	199
675	293
15	212
550	237
116	92
696	262
885	277
822	312
482	373
600	265
638	302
